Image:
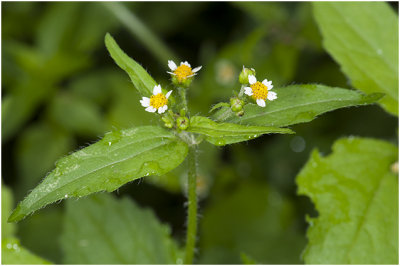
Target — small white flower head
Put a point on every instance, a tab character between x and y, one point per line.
157	102
183	72
260	91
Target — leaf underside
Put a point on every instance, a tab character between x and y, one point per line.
356	195
297	104
227	133
363	38
120	157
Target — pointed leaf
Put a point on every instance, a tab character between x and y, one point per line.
297	104
103	230
120	157
143	82
363	38
227	133
356	196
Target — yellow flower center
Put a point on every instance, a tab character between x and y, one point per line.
182	72
260	91
158	100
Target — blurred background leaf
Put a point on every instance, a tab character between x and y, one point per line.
103	230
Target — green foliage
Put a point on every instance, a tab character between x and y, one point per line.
297	104
7	201
13	253
120	157
45	225
48	141
11	250
142	81
253	219
356	195
103	230
363	39
84	118
227	133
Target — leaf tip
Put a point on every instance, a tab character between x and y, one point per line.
16	215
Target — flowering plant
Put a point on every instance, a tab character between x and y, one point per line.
256	108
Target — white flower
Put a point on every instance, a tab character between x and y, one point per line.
158	101
183	71
260	91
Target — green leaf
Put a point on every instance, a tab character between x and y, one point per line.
219	105
363	39
103	230
13	253
227	133
297	104
7	202
143	82
120	157
356	195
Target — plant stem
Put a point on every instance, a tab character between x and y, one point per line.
192	206
138	29
182	94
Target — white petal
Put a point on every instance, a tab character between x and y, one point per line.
248	91
168	94
162	109
196	69
185	63
151	109
157	90
252	79
270	87
172	73
145	102
261	102
172	65
271	95
266	82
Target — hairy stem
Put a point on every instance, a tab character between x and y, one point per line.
192	207
182	94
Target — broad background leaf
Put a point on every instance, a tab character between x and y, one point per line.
227	133
103	230
356	196
297	104
143	82
121	156
363	38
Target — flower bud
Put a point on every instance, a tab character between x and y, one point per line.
168	121
236	104
243	77
182	123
